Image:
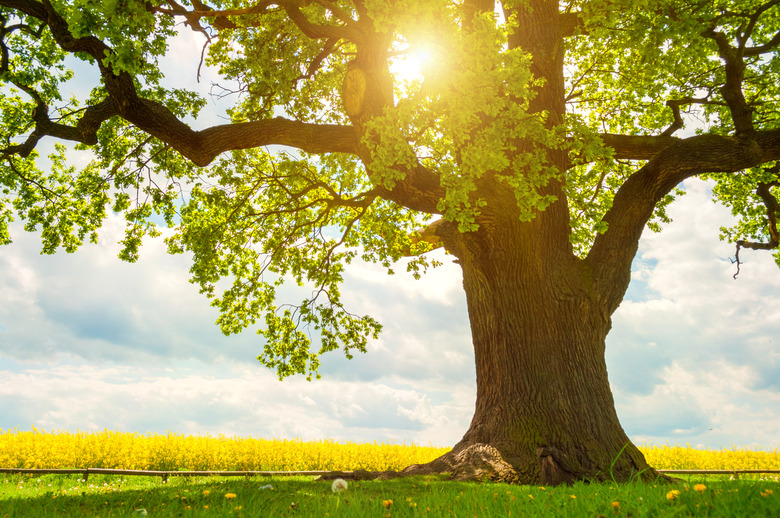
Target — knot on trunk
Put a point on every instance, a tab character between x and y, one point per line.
353	92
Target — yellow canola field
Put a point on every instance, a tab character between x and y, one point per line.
685	457
118	450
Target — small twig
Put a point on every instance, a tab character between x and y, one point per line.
736	258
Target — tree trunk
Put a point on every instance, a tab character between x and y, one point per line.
544	410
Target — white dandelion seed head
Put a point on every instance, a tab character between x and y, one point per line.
339	485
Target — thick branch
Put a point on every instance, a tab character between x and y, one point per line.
612	252
203	146
732	88
571	23
638	147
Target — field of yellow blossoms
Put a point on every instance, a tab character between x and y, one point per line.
685	457
118	450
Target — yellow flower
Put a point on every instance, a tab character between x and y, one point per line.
230	495
387	503
616	505
766	493
206	492
573	496
699	487
671	495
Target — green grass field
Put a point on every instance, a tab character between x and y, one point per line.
68	495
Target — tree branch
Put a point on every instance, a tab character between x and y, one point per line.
427	235
748	32
85	130
638	147
612	252
313	30
201	147
570	23
731	90
675	104
772	211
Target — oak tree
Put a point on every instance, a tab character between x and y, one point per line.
535	147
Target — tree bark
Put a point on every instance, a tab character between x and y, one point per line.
544	410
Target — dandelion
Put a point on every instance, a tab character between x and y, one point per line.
387	503
573	496
230	495
206	492
700	488
339	485
615	505
766	493
671	495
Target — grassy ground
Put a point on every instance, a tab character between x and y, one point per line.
62	496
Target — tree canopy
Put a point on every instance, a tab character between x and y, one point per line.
595	108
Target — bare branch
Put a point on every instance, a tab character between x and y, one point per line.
675	104
315	64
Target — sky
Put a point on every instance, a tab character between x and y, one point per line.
88	342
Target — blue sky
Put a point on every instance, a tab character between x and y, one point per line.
88	342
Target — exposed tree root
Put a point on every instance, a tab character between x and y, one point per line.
483	462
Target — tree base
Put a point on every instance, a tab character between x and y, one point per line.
482	462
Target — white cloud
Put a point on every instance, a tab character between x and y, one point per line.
238	401
699	350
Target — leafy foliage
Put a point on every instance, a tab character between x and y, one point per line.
602	99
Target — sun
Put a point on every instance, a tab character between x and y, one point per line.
413	63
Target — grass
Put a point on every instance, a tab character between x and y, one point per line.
63	496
